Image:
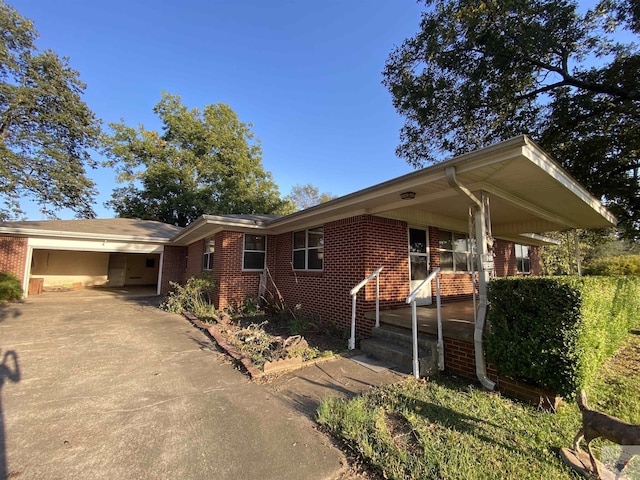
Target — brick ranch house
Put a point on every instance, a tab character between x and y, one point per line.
503	197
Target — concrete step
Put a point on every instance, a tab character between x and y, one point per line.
401	356
403	337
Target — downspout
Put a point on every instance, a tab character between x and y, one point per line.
484	271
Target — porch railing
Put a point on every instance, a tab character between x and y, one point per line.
354	294
411	299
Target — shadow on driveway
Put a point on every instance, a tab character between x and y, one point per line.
112	387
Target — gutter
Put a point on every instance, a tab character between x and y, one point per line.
485	264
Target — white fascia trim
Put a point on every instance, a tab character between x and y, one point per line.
106	246
529	239
225	223
541	159
33	233
541	238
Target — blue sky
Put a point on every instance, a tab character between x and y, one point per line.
307	75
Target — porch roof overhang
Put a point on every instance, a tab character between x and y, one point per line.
529	193
208	225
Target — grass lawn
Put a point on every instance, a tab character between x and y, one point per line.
451	428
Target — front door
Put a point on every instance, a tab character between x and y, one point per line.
419	264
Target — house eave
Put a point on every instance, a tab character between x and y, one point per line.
208	225
40	233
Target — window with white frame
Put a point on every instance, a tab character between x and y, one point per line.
254	254
522	258
455	251
308	249
207	257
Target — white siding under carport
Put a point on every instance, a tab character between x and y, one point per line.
67	261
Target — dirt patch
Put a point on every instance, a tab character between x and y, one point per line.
403	435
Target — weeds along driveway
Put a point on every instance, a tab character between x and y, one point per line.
101	386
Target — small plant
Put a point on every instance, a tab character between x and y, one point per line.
298	325
250	307
194	296
10	288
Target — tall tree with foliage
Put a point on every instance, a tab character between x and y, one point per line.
204	162
305	196
482	71
46	130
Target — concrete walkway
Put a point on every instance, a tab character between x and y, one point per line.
96	385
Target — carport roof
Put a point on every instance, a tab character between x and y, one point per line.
107	228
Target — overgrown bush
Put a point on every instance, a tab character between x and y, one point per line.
10	287
555	332
628	265
193	297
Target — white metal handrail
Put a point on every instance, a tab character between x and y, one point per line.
411	299
354	293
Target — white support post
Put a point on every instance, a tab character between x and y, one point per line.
414	329
352	339
377	301
440	336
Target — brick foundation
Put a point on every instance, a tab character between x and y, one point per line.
459	359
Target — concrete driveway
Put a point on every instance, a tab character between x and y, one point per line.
95	385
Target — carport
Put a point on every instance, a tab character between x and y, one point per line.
90	253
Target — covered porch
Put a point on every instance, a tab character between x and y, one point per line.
457	319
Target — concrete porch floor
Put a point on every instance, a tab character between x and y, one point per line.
457	319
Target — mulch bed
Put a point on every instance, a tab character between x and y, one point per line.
315	336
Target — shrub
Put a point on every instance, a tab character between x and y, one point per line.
628	265
556	332
10	287
194	296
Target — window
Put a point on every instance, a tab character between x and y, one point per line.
254	253
522	259
207	258
454	251
308	249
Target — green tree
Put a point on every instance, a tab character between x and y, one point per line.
46	129
562	259
305	196
482	71
204	162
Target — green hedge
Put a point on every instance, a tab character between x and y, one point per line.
555	332
621	265
10	288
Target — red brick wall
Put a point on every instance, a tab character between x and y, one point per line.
233	285
353	248
505	259
13	255
536	260
459	359
195	251
173	267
